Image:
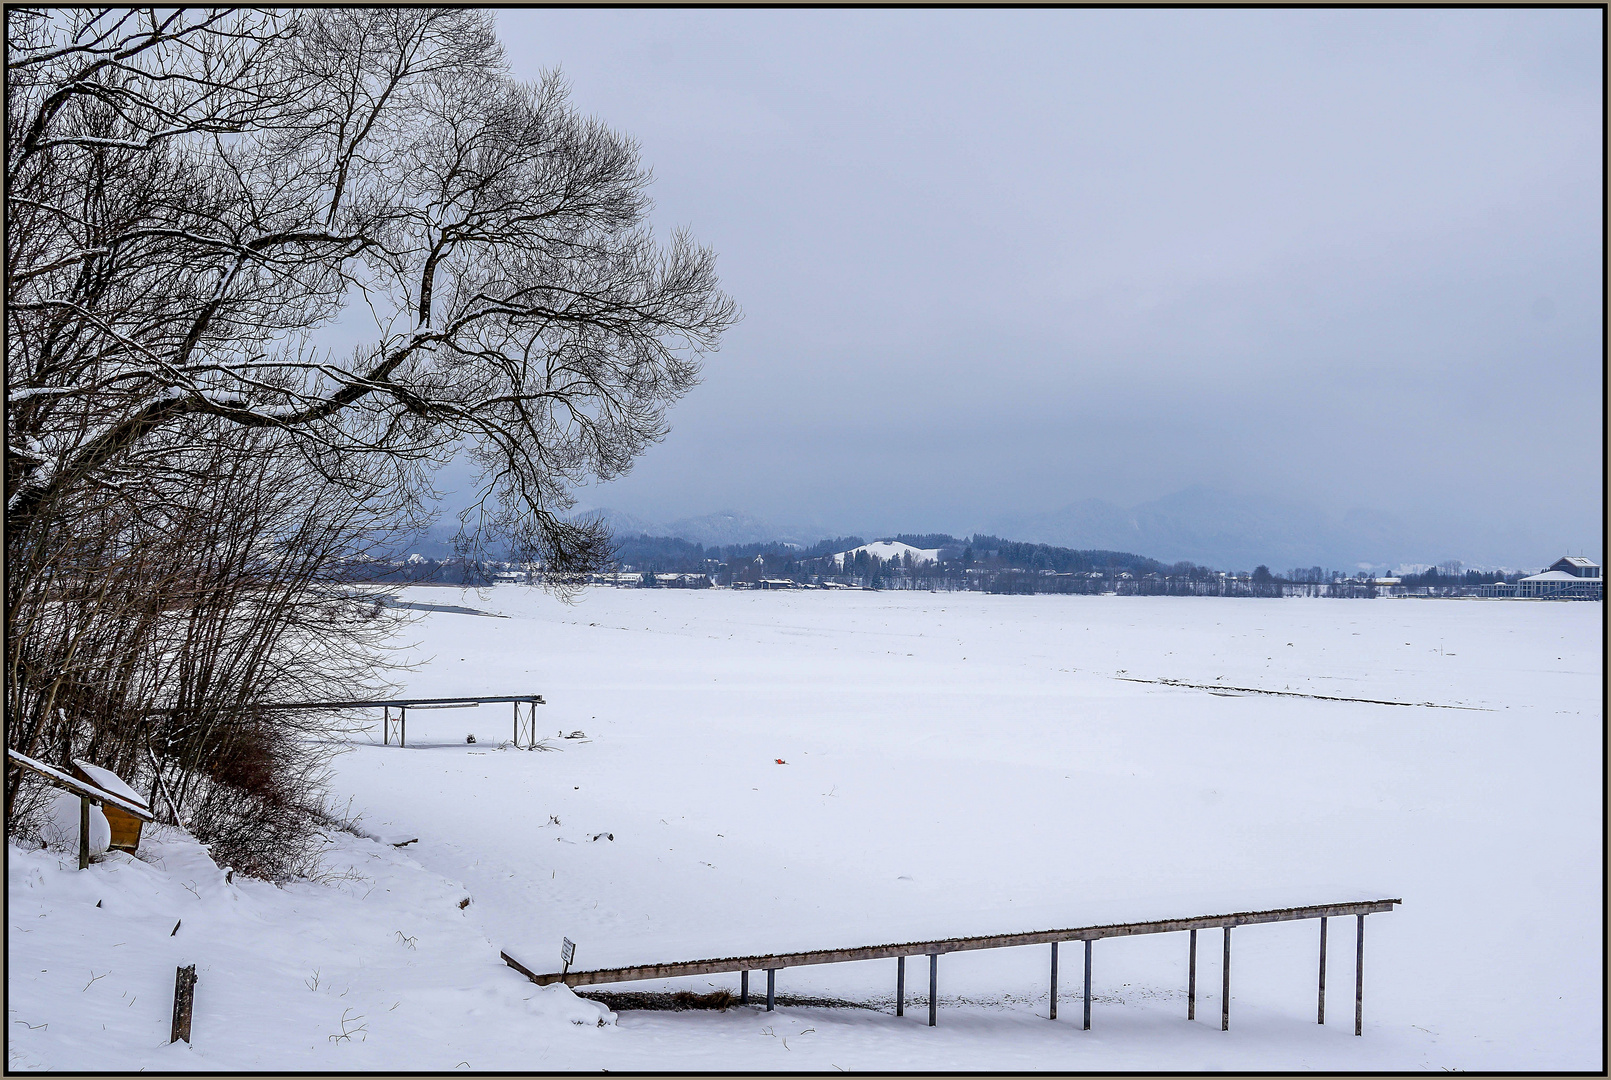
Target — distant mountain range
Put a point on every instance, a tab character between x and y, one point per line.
1226	531
1201	525
720	529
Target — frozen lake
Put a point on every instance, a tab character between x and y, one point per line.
965	764
952	765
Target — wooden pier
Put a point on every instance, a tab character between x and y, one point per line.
395	724
772	963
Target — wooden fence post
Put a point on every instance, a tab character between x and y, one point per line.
83	832
184	999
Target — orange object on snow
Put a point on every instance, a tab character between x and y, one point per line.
780	761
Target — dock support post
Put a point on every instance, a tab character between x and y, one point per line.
184	1002
385	725
83	832
1359	978
402	727
771	973
900	986
530	719
1054	982
1225	990
743	988
1087	1025
1321	1019
1191	979
934	984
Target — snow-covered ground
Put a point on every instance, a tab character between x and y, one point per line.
955	764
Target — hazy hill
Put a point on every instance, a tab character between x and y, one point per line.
1217	528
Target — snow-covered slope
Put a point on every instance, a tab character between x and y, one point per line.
890	549
374	966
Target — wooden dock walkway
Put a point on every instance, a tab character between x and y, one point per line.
396	725
774	962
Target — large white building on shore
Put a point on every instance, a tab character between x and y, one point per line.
1571	577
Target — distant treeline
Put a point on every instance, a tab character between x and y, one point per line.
978	563
665	554
1435	579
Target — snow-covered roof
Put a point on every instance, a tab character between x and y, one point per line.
891	549
1556	575
1577	560
108	780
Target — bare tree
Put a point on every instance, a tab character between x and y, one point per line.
199	200
266	270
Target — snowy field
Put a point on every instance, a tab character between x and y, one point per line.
955	765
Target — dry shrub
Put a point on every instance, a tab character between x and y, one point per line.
716	999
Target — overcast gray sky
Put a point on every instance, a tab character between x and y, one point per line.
997	262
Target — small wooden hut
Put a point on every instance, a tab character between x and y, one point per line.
125	826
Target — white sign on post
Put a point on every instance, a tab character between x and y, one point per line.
567	952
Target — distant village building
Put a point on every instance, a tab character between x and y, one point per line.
621	580
683	580
638	579
1571	577
778	583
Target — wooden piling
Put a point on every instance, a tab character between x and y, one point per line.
1087	1024
1321	1018
1054	982
184	1000
1225	989
83	832
1359	977
1191	979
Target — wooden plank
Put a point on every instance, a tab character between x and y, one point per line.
526	971
947	945
78	787
125	828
